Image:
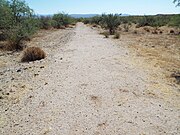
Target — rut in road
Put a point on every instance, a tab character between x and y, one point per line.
91	87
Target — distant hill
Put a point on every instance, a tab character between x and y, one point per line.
89	15
79	15
83	15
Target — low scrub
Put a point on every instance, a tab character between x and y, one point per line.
32	54
111	22
16	25
62	19
45	22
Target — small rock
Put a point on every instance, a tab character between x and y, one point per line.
42	67
61	58
23	86
25	68
19	70
36	74
30	96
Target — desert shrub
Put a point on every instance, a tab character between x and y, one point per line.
32	54
86	21
20	32
96	20
62	19
5	15
154	21
146	21
45	22
16	22
175	21
117	35
110	22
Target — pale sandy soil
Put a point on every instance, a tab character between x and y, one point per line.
87	85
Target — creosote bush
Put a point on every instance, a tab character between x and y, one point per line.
32	54
17	22
111	22
62	19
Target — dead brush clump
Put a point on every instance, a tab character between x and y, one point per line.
32	54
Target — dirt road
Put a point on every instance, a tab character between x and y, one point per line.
92	86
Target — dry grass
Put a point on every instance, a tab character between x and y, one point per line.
159	50
32	54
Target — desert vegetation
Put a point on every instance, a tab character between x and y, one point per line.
146	34
111	22
111	74
19	23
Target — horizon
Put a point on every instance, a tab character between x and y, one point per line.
138	7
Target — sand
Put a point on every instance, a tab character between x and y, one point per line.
87	85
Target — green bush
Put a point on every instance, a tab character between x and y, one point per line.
111	22
175	21
96	20
17	33
5	15
62	19
86	21
45	22
154	21
17	22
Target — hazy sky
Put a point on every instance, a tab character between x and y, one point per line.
133	7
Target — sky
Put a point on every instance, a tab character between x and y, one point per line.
132	7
